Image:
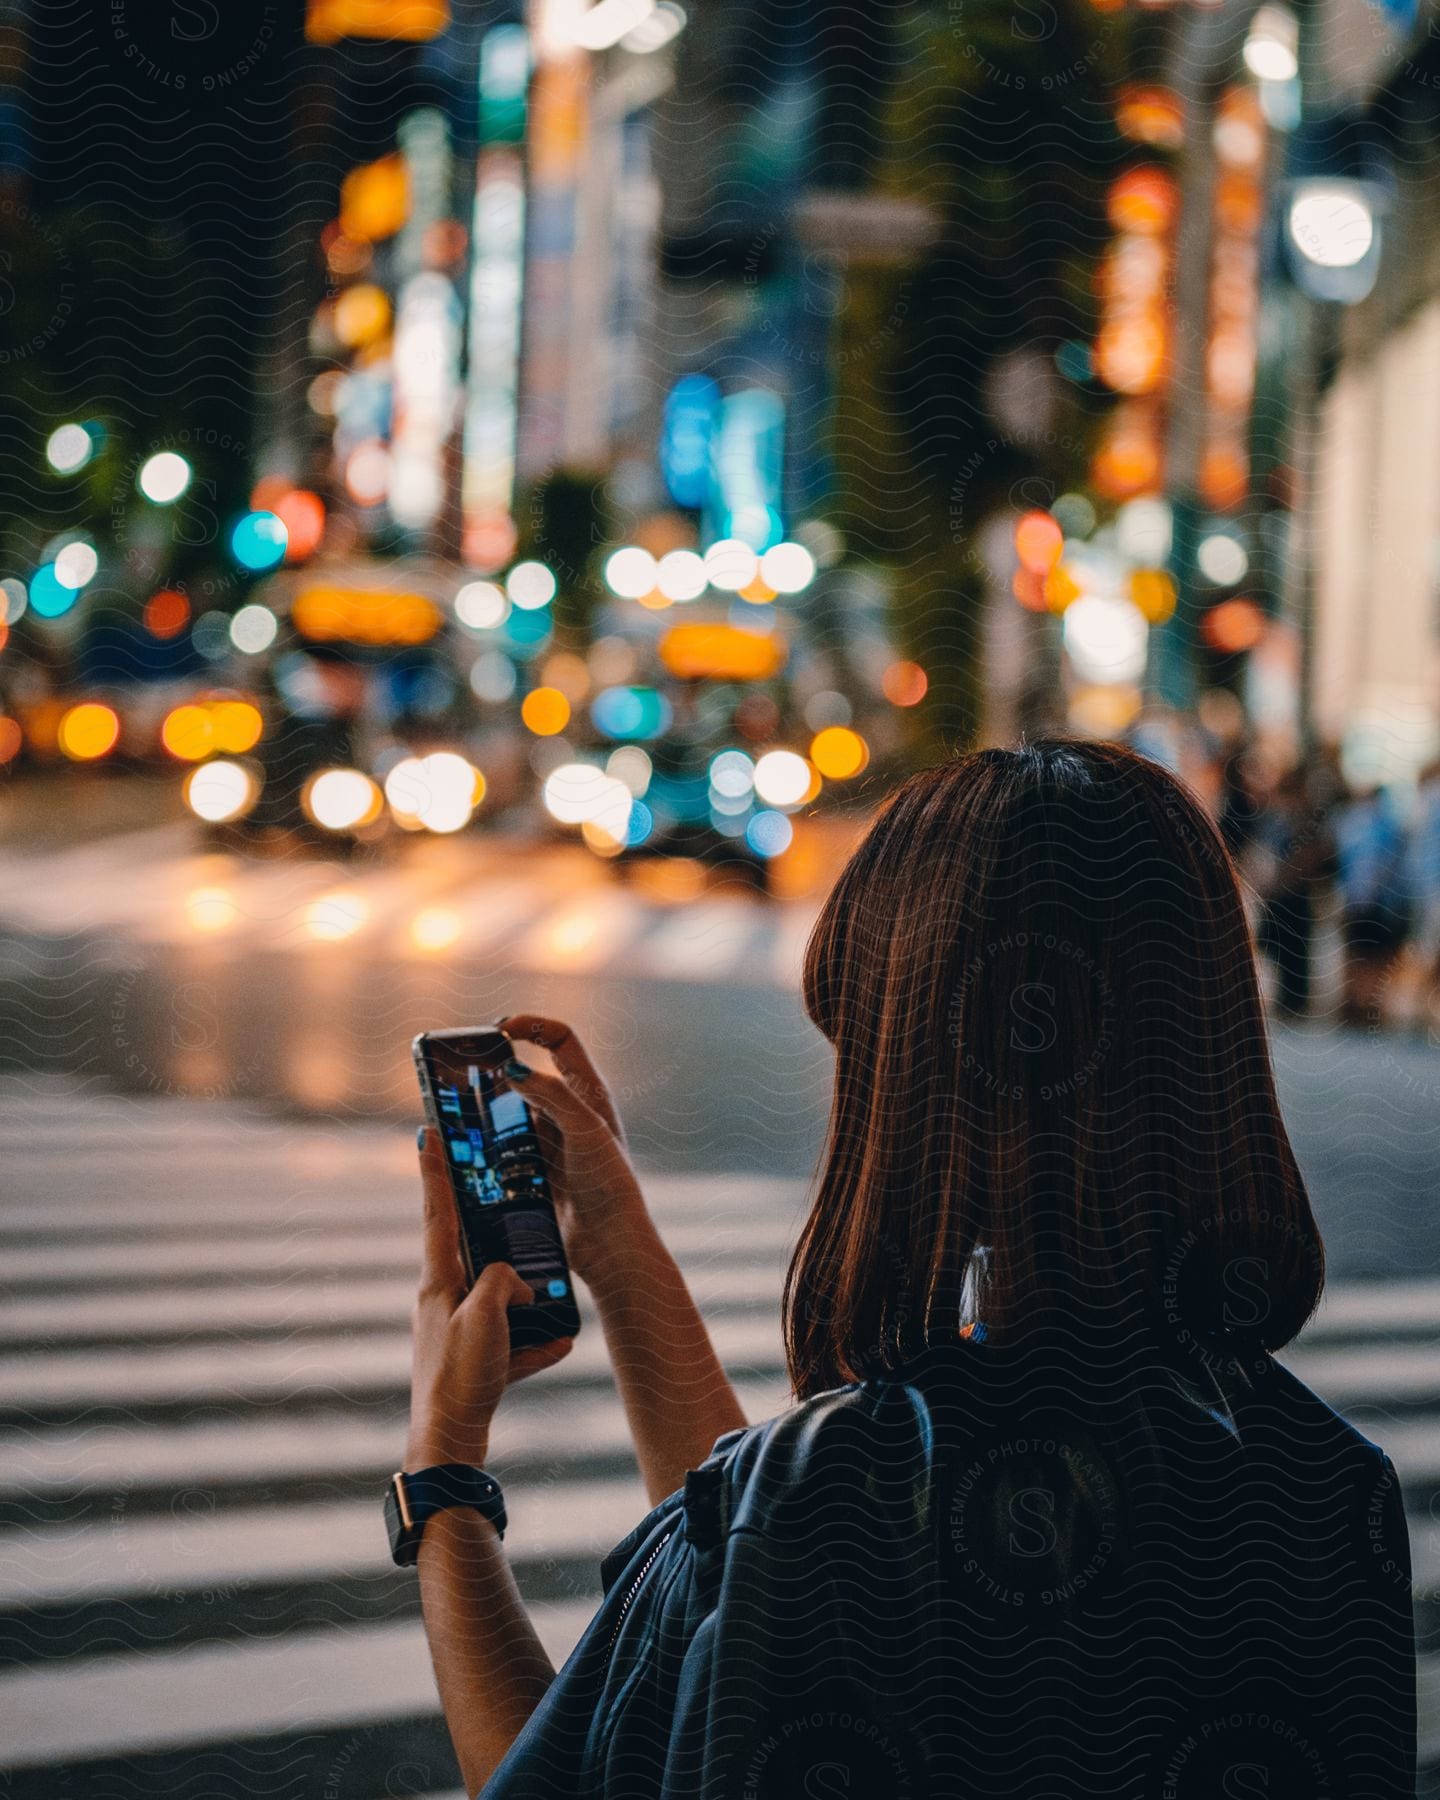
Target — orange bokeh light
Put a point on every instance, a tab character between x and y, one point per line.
1233	626
1039	541
303	516
838	753
89	730
545	711
167	613
904	684
1151	115
1143	200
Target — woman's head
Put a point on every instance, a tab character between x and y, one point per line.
1053	1096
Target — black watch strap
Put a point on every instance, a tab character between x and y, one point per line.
411	1500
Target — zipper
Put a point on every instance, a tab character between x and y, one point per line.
634	1589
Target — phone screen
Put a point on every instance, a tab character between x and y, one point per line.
497	1174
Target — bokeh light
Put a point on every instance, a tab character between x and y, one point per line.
1233	626
334	917
164	477
769	834
76	564
367	473
258	541
782	778
209	909
1106	638
342	800
530	585
14	598
362	314
630	572
235	726
838	753
68	448
253	629
630	712
166	614
303	516
493	677
481	605
732	775
1222	559
438	792
680	575
579	794
904	684
545	711
731	565
1039	541
88	731
187	732
49	596
788	568
631	765
219	791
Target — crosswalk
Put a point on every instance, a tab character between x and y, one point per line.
203	1365
555	909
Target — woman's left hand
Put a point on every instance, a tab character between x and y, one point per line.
462	1357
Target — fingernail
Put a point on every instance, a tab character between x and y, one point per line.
420	1138
515	1071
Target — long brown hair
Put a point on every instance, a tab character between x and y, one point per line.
1054	1107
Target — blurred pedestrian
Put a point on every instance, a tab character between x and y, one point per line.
1423	867
1371	877
1241	800
1294	855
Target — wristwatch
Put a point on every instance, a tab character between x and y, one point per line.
414	1499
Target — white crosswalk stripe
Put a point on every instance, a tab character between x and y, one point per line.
196	1423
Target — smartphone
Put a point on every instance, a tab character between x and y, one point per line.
497	1175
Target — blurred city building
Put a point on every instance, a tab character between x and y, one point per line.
1374	531
563	382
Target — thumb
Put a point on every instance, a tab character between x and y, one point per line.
499	1285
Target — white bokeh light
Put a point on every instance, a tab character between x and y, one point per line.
681	575
788	568
731	565
630	572
782	778
164	477
253	629
1106	638
481	605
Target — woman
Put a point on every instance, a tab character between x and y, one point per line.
1047	1518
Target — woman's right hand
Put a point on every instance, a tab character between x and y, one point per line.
597	1196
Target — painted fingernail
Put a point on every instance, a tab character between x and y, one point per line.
420	1138
515	1071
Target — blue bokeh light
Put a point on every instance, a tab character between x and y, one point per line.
769	833
258	541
